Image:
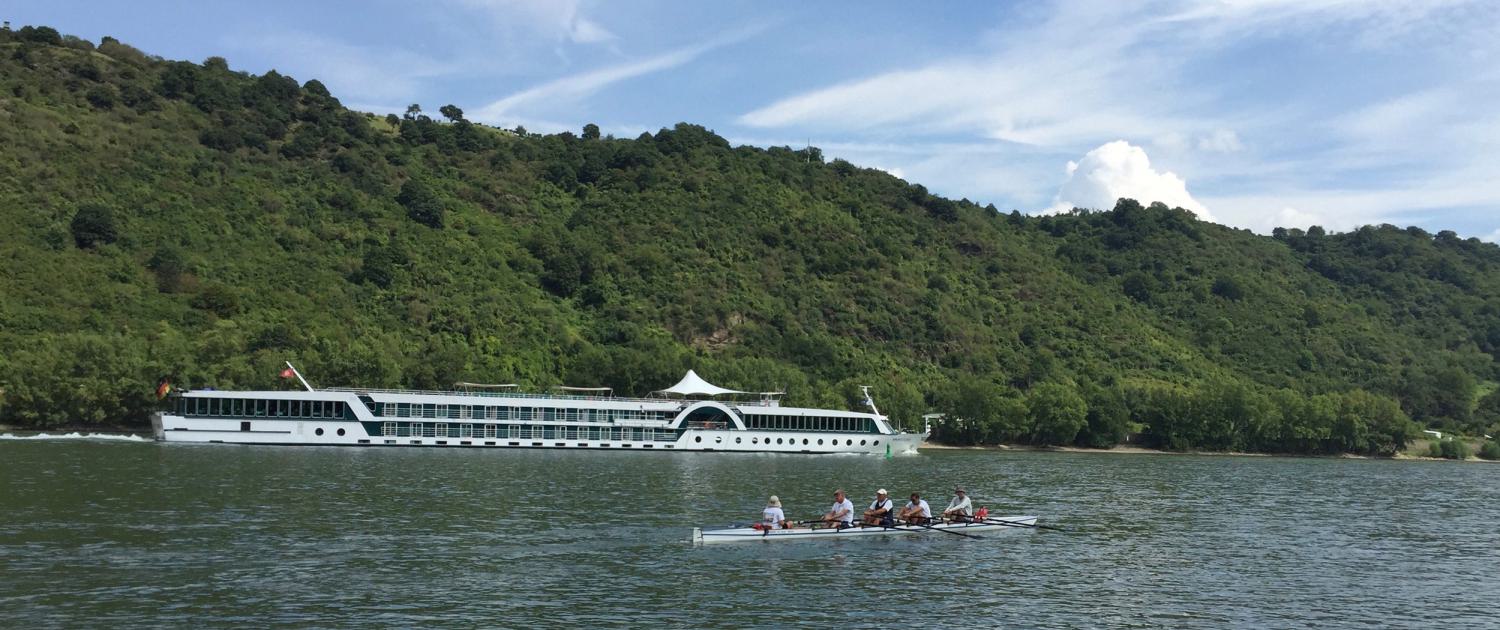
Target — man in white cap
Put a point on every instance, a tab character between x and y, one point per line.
772	517
880	511
960	509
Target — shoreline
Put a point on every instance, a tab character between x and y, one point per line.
1140	450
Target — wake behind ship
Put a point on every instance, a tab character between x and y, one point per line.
692	415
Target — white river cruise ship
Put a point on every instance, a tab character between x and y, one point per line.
692	415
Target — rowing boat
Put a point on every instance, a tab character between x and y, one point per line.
739	534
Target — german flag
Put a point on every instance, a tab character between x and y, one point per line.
163	387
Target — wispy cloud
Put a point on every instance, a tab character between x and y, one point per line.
353	72
562	20
579	86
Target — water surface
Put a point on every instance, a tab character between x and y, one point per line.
139	533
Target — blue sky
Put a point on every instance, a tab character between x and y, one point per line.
1253	113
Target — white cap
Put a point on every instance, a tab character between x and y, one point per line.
880	491
773	501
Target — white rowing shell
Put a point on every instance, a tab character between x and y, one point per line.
738	534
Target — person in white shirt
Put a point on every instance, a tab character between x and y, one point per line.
772	517
916	512
841	515
880	511
960	509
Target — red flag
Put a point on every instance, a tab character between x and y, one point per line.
288	373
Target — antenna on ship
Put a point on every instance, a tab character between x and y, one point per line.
297	374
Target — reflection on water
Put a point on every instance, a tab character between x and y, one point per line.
99	532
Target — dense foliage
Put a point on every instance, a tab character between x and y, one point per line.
187	220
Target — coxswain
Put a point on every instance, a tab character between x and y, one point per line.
841	515
880	511
960	509
916	512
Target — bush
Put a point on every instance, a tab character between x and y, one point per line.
1455	449
1434	449
1490	451
422	205
94	225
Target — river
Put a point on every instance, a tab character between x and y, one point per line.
123	532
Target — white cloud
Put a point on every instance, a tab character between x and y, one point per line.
1118	169
1492	237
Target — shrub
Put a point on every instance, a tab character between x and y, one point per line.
1434	449
94	225
1455	449
422	205
1490	450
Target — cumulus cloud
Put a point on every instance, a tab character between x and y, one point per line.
1119	169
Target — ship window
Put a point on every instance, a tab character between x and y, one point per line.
239	406
319	431
341	433
260	407
549	414
338	409
504	413
820	442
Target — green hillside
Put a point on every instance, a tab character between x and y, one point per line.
168	218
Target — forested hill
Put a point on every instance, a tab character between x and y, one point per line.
185	219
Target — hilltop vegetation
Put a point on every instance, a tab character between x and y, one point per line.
185	219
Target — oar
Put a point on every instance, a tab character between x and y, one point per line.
944	530
994	521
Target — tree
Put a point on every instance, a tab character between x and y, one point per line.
422	205
1056	412
413	112
591	132
451	112
94	225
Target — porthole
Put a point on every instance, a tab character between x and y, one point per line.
319	431
849	442
778	440
862	442
341	433
804	441
736	440
755	440
820	441
698	438
718	440
877	442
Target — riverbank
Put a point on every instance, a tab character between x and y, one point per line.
1407	455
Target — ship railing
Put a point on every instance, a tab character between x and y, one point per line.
498	394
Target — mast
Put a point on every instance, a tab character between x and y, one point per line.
297	374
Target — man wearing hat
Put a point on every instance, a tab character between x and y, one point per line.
772	517
880	511
960	509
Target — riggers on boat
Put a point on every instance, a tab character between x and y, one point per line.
747	533
499	416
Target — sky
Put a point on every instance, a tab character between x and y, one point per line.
1250	113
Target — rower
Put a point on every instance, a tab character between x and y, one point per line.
960	509
772	517
880	511
916	512
841	515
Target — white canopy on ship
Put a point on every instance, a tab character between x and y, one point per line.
694	385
